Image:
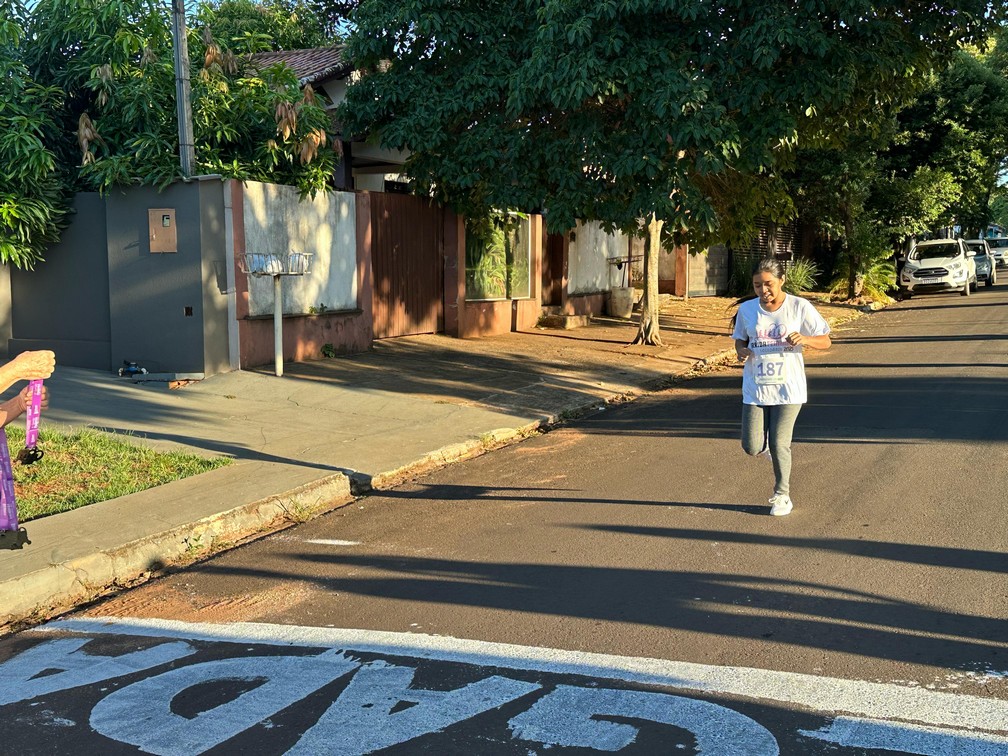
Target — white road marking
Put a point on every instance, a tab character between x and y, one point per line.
140	714
361	719
331	542
70	667
878	701
906	738
568	717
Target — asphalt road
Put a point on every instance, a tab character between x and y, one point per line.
616	584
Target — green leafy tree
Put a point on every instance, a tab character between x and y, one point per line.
113	59
999	207
32	204
955	128
998	57
273	24
911	207
623	110
933	164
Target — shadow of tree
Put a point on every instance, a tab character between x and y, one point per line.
806	614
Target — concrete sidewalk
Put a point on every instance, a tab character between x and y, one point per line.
328	430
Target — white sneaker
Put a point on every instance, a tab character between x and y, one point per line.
780	505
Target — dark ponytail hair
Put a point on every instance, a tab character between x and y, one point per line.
770	265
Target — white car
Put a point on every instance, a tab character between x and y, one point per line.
938	265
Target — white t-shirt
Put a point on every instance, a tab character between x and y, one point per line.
775	373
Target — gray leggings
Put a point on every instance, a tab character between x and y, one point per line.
771	427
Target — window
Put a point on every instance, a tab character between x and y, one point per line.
498	257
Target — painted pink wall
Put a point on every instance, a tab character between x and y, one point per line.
477	319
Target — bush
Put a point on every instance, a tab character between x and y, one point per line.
801	275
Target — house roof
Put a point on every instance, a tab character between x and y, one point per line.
312	66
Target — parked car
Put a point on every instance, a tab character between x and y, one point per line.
938	265
999	246
986	266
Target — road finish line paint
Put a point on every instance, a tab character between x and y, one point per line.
368	690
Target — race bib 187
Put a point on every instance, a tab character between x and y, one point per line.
770	369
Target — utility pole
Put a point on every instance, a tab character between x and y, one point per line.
183	104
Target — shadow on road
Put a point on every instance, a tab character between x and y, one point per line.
806	614
932	556
869	406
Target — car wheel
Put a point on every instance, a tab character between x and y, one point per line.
990	280
967	289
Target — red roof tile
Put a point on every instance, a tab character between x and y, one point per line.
311	66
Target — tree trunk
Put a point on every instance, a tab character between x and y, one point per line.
649	327
852	257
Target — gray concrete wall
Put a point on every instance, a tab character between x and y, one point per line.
63	304
156	301
5	310
708	272
215	278
589	270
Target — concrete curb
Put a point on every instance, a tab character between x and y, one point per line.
61	587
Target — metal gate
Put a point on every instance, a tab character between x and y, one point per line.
407	257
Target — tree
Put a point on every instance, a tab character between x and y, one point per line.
932	164
622	110
113	61
955	129
275	24
831	186
999	207
32	205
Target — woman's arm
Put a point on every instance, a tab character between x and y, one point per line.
27	366
816	342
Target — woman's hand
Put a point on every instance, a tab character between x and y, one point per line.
24	398
795	339
743	353
30	366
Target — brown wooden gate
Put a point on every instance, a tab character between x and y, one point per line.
407	257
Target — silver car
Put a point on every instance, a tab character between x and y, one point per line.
986	267
999	246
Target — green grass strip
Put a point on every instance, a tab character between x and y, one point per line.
90	465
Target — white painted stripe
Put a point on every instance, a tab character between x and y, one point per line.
821	694
907	738
331	542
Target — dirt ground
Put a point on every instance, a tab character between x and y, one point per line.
714	310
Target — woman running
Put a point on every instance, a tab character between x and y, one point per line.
770	330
